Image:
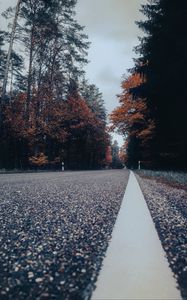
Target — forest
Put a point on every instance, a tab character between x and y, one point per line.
152	105
49	112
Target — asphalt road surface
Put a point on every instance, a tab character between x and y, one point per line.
54	231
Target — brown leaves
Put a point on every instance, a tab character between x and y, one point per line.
53	122
40	160
132	81
130	118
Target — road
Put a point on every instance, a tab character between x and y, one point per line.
54	231
135	266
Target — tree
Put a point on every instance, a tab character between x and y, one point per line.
52	116
87	138
163	63
132	120
108	158
116	162
5	78
94	98
2	54
55	45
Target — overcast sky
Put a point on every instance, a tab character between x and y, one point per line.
110	25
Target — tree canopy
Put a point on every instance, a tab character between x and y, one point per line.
49	112
161	66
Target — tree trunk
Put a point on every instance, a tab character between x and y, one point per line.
11	81
29	83
10	49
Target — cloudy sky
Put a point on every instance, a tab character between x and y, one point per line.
110	25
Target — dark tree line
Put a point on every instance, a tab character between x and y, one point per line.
162	66
49	112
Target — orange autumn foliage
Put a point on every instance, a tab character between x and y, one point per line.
131	117
39	160
70	124
79	115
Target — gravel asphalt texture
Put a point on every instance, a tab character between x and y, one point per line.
168	207
54	231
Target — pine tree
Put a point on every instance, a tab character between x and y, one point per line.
94	98
9	54
163	63
18	78
56	45
2	55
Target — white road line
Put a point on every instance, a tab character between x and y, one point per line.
135	266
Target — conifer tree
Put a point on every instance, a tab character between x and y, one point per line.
8	59
163	63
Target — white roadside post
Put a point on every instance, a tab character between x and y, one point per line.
62	166
139	165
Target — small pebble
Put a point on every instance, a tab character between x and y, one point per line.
30	274
38	280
